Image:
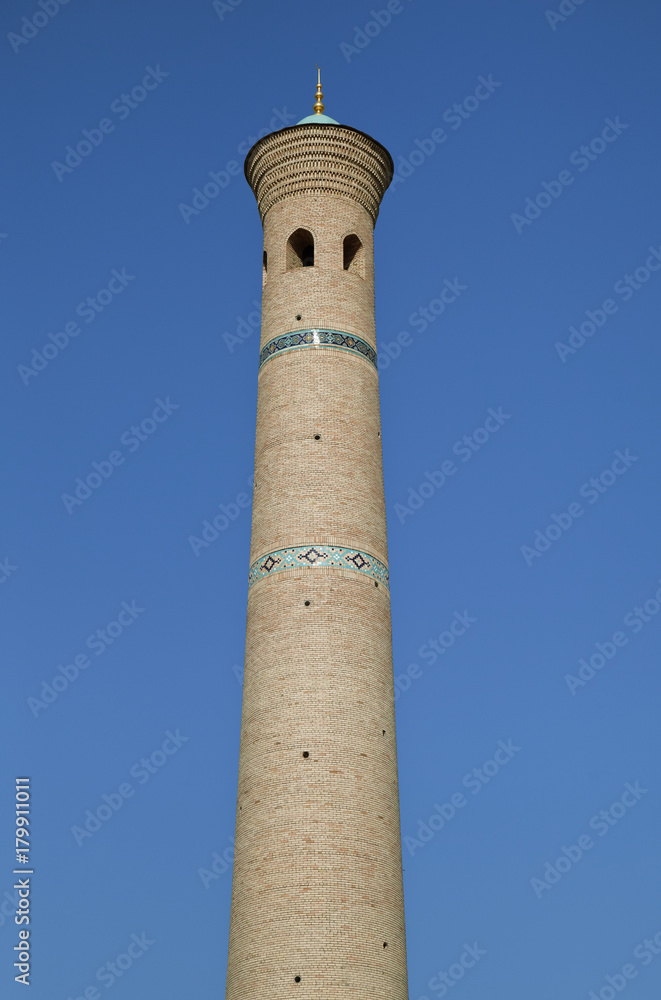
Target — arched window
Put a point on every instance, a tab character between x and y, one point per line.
353	253
264	268
300	249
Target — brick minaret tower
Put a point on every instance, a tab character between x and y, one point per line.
317	900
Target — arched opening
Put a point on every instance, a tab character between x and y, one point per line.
300	249
264	268
353	254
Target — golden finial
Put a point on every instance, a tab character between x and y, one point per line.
318	105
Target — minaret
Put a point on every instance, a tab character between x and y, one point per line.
317	899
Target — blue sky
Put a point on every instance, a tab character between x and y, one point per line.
490	111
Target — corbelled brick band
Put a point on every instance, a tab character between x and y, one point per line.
323	159
317	898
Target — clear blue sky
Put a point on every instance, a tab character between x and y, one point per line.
157	349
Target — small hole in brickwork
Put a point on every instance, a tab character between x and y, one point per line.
317	437
375	584
385	944
383	732
299	316
305	753
307	604
297	979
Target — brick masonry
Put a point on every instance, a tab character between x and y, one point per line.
317	886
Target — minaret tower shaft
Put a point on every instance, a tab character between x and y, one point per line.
317	899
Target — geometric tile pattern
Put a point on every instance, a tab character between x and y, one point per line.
310	556
315	338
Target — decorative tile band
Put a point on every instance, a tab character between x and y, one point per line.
308	556
317	338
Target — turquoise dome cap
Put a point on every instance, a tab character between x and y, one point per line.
317	120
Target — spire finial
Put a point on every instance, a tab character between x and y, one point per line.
318	107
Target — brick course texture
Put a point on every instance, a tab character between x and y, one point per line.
317	899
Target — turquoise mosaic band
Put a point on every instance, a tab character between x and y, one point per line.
316	338
312	556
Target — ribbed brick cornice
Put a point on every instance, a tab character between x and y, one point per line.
327	159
